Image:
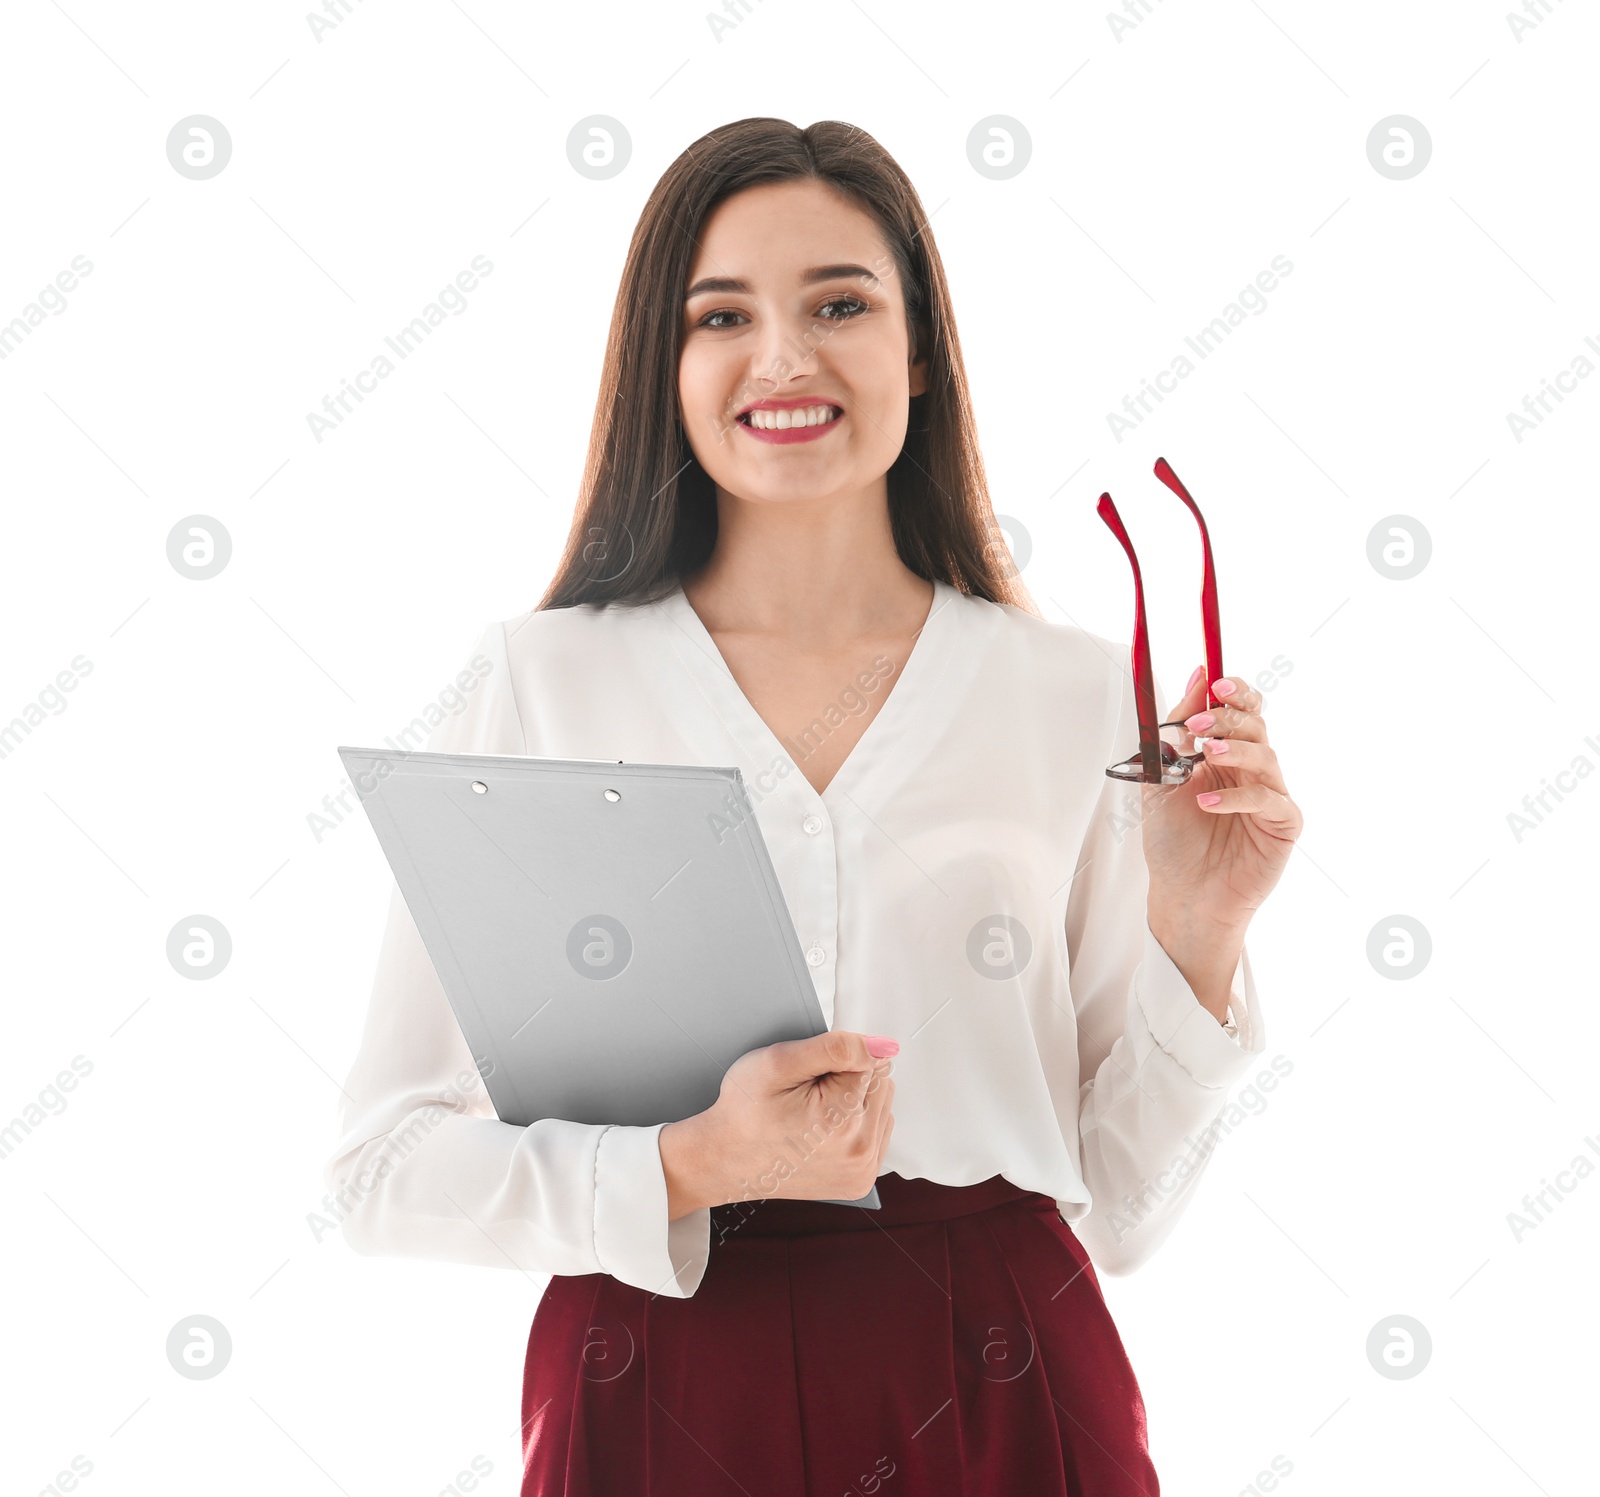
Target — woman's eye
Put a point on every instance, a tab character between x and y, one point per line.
852	306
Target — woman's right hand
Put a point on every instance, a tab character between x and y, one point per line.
804	1120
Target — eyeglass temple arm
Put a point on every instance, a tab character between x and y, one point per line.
1144	691
1208	588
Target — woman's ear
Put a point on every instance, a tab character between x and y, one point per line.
917	369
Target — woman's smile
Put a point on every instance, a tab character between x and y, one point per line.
792	420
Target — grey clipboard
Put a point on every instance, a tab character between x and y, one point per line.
611	936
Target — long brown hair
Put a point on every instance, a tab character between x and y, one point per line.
646	515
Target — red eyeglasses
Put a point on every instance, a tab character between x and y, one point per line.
1168	752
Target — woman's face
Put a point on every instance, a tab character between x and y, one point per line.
794	305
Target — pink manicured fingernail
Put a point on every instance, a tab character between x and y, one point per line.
881	1046
1224	688
1210	798
1194	680
1216	745
1199	722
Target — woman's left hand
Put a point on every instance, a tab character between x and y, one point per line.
1217	862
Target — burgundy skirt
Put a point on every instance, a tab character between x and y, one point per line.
953	1342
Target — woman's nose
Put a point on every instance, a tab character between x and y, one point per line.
786	346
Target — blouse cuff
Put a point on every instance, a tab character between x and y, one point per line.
633	1239
1186	1030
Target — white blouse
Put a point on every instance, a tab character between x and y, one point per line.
970	883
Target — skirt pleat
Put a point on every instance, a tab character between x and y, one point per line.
954	1343
1013	1418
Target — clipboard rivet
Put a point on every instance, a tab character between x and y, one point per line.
613	795
480	787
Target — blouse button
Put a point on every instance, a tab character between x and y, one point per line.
812	825
816	956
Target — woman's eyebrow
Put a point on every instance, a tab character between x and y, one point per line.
730	284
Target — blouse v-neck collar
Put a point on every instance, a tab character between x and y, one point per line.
911	691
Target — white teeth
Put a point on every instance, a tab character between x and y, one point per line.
811	415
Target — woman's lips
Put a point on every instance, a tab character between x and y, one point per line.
792	433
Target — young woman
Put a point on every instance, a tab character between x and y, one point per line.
784	557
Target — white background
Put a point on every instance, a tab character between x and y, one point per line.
1168	167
